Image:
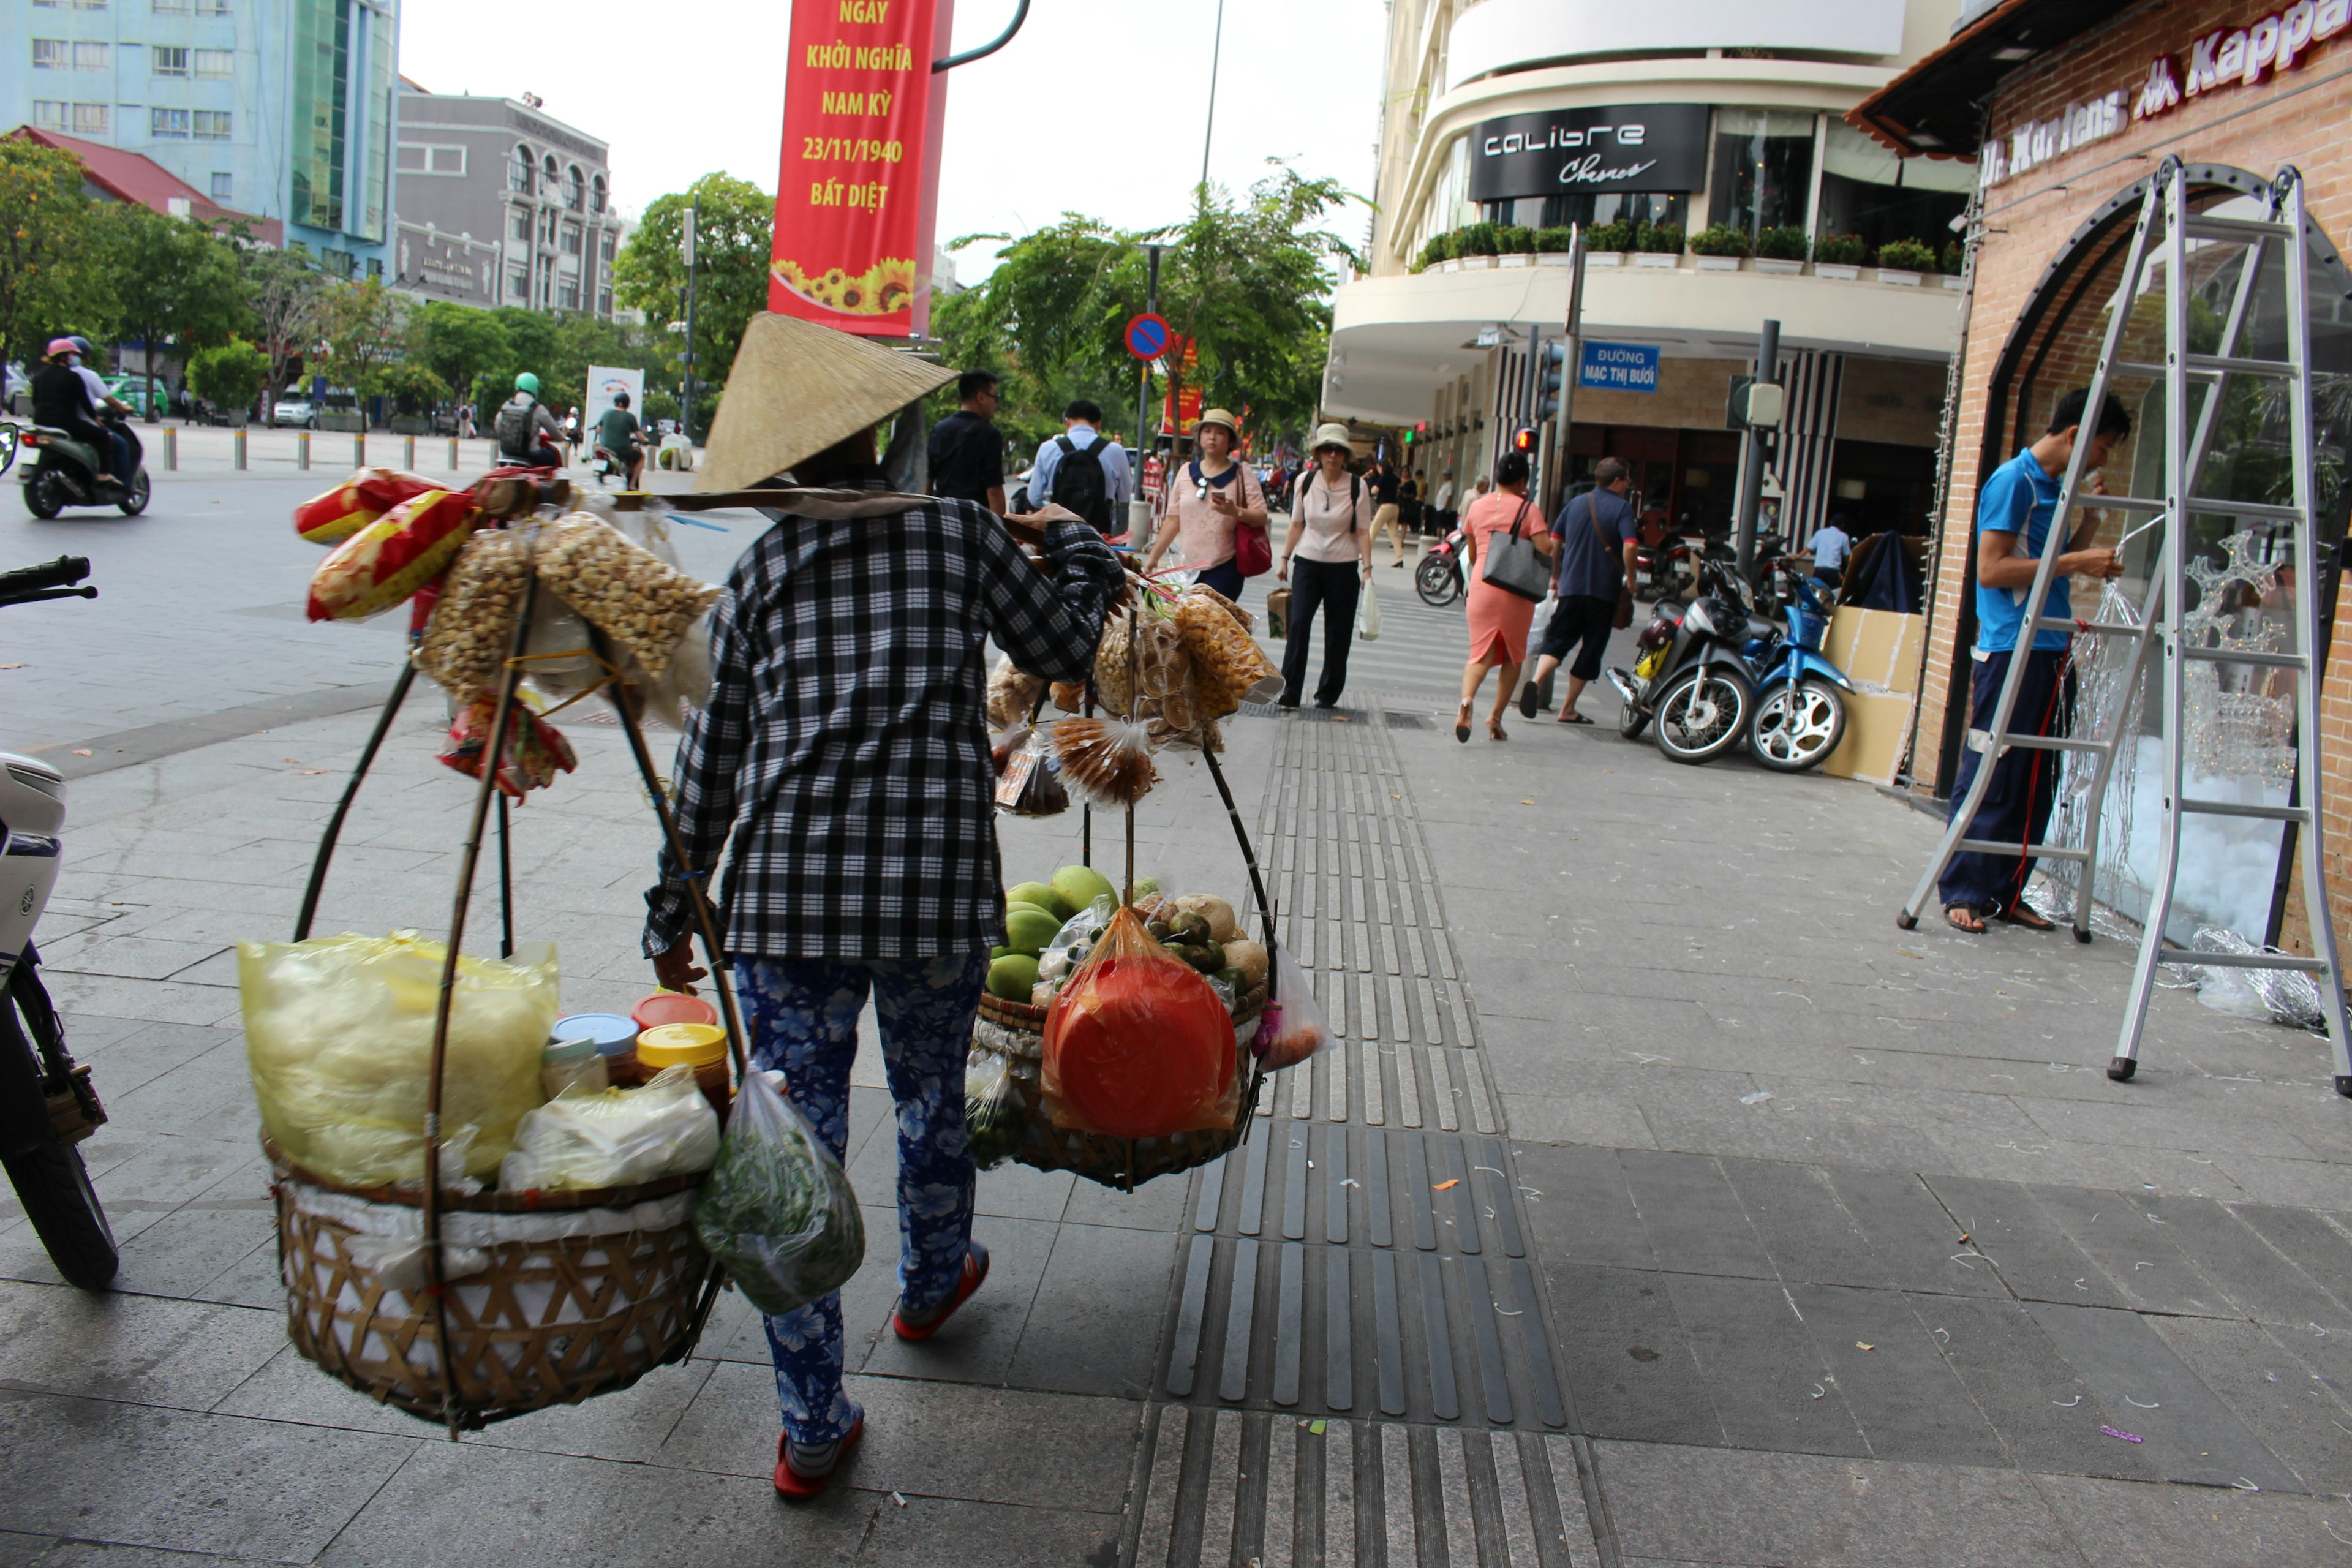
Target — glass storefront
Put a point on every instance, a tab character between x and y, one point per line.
1664	209
1866	190
1763	176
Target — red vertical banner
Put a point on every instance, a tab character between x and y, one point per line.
851	192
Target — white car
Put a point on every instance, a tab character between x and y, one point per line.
297	411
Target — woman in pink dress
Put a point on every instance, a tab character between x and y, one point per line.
1498	617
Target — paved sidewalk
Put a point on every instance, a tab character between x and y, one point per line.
1662	1203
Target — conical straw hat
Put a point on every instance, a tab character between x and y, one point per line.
797	389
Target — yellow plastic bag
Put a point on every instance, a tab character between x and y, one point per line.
338	1037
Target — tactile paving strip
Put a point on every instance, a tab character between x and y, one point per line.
1358	1367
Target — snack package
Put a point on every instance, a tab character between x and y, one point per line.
1030	784
338	1037
367	495
1227	663
1012	694
392	557
1292	1028
992	1111
1070	696
614	1138
1114	683
1108	760
778	1209
632	595
536	750
1138	1043
474	613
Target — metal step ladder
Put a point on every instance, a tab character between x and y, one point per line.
2166	219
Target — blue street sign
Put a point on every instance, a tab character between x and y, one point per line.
1146	336
1619	367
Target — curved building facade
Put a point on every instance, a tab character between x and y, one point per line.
1660	131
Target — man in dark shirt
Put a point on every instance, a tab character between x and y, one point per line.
1597	531
61	401
616	431
967	450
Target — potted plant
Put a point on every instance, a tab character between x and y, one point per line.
1605	244
1901	261
1479	243
1781	251
1720	248
1449	250
1657	245
1515	245
1840	255
1552	246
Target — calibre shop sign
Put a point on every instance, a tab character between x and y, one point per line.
2227	57
1633	147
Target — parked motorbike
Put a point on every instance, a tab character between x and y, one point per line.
1692	680
1800	717
47	1104
1438	578
66	472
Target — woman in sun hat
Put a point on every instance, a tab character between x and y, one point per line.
845	753
1330	547
1208	499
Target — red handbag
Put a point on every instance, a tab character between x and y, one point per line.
1252	550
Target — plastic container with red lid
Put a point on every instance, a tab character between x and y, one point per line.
672	1007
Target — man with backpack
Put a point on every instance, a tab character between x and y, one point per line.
528	434
1083	471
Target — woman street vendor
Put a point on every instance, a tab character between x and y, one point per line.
844	751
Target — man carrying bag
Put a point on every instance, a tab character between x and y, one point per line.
1597	532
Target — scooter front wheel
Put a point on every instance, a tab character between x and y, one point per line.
1702	714
1798	725
136	501
1436	581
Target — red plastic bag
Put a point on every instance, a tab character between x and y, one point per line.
1137	1044
359	501
1293	1027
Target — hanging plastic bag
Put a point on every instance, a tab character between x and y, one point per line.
991	1111
671	698
392	557
474	613
1012	694
614	1138
535	750
338	1037
1137	1043
1227	663
778	1209
1368	615
628	592
1292	1028
367	495
1030	784
1109	759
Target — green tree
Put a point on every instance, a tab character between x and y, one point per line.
229	374
412	386
361	333
734	233
47	287
1047	322
457	342
171	279
283	288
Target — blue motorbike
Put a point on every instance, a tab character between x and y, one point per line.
1800	717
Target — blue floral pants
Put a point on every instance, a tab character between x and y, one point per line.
802	1018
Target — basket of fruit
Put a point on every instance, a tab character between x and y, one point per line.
1054	929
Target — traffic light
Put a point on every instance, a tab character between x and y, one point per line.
1524	440
1551	376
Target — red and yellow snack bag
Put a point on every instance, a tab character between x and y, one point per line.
392	557
359	501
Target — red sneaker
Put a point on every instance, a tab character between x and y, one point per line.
800	1484
975	1275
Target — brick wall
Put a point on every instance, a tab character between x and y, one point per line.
1690	396
2297	117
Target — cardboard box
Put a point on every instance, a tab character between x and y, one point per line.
1876	725
1878	649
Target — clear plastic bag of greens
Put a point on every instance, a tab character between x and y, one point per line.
778	1209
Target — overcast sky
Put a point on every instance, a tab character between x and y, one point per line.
1097	106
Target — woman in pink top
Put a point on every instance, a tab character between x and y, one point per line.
1207	498
1499	618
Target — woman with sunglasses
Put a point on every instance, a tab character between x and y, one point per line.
1208	499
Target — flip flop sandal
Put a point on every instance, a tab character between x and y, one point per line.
1957	915
1573	717
2027	916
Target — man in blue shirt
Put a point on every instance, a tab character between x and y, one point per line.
1597	532
2014	511
1101	501
1828	548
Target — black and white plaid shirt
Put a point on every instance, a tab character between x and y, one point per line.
845	746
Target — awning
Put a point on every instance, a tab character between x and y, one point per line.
1937	107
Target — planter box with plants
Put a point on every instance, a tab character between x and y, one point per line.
1901	262
1658	245
1553	247
1720	248
1781	251
1840	255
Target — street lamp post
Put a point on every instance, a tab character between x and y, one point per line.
685	411
1138	506
1751	451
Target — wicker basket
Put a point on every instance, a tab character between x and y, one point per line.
552	1298
1015	1032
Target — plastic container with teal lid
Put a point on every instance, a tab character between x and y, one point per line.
572	1063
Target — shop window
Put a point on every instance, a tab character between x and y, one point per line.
1868	190
1763	176
1662	209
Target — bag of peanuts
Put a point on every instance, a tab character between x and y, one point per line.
392	557
1012	694
359	501
474	616
624	590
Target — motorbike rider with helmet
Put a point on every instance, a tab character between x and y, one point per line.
528	434
62	400
108	406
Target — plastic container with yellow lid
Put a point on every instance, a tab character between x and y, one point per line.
702	1047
